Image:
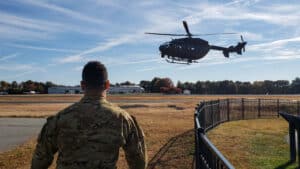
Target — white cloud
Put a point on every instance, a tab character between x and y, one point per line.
43	48
3	58
16	70
65	11
280	8
273	44
28	23
249	36
165	23
101	47
24	28
78	68
236	13
110	3
71	59
16	67
14	33
122	62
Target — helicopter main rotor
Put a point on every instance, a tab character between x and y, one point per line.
188	33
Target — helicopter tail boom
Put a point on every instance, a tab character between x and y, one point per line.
239	49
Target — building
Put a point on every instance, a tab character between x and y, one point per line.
65	90
125	89
186	92
30	92
4	93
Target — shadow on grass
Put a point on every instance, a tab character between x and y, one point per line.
286	165
178	152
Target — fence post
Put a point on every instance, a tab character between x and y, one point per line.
219	112
292	142
278	108
243	108
298	107
298	134
203	115
212	113
228	110
259	108
196	138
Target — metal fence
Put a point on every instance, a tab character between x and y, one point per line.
209	114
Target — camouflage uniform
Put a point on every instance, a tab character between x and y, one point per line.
88	135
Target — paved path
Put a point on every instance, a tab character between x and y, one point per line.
15	131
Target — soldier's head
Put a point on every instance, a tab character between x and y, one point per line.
94	77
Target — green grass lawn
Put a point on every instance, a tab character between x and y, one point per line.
258	144
270	151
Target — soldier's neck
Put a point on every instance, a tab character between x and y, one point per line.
95	93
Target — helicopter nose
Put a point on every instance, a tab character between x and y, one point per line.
162	48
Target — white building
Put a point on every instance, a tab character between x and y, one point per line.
65	90
3	93
186	92
126	89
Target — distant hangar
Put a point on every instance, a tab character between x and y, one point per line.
125	89
65	90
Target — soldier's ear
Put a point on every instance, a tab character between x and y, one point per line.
106	85
83	85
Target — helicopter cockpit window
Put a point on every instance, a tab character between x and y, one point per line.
167	44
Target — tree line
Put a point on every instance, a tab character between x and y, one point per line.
166	85
227	86
27	86
237	87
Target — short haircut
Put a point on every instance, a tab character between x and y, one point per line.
94	74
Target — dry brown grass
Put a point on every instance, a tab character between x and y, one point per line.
163	123
160	121
30	110
73	98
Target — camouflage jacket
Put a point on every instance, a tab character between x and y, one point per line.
88	135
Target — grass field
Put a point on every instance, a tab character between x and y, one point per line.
167	121
257	143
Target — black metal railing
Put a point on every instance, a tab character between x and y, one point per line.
294	125
209	114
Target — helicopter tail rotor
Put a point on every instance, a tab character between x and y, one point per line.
243	43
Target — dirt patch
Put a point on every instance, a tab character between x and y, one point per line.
134	106
178	152
175	107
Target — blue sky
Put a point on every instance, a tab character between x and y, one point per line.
51	40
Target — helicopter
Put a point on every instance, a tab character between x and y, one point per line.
188	50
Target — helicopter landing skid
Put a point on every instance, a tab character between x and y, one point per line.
180	61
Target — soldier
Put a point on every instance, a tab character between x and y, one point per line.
89	134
